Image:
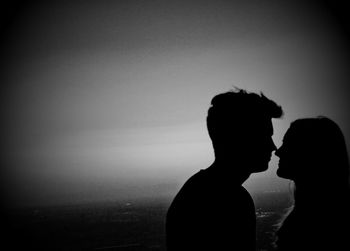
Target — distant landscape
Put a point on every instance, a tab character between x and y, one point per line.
121	225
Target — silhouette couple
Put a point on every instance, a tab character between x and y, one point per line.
213	211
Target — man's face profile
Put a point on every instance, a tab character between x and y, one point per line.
250	145
259	146
240	127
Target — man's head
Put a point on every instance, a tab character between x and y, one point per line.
240	127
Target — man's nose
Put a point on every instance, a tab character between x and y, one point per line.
278	152
273	146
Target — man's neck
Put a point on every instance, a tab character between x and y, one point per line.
229	171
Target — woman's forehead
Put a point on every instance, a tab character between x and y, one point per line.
290	135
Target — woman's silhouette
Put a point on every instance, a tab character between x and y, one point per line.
314	156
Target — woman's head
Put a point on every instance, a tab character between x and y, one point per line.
314	156
314	151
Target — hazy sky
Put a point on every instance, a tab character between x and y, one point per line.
108	99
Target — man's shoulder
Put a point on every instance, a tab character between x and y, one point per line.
244	195
192	188
195	183
197	178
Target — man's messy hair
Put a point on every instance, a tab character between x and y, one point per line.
238	110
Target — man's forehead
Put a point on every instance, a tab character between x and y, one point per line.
270	127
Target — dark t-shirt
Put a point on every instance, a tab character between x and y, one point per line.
211	214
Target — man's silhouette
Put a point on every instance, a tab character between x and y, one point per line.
212	211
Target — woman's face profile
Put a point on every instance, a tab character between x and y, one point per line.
289	155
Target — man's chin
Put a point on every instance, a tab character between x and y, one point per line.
260	169
283	175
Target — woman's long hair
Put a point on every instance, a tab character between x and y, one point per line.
325	160
321	181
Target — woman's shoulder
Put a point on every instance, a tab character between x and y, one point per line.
305	231
287	232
